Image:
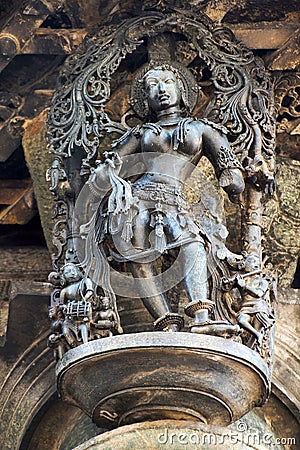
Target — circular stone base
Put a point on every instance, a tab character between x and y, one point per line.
132	378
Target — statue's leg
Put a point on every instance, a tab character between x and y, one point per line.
84	332
149	286
69	336
141	228
247	322
194	266
194	263
153	300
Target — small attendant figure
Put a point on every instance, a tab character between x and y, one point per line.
255	314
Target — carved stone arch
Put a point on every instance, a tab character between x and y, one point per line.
240	89
237	100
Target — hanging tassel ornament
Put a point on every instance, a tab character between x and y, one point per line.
160	243
121	204
127	232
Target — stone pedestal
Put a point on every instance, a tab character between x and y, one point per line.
152	376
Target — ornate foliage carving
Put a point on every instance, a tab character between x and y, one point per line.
241	95
287	98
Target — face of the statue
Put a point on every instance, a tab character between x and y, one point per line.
71	273
105	303
163	89
252	263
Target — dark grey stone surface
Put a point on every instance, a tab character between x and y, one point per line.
132	378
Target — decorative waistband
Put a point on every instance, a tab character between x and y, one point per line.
160	192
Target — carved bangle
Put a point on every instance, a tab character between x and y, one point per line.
169	319
192	308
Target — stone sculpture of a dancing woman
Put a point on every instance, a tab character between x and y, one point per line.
151	216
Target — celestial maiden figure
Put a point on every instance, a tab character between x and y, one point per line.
152	214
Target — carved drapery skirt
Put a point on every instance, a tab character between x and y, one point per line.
258	307
162	219
169	215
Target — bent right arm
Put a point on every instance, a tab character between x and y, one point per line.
128	144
